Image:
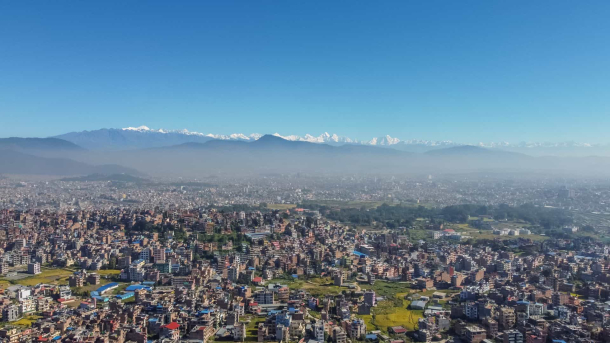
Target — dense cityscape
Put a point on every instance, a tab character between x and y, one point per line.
290	258
304	171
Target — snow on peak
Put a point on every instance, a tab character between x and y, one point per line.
378	141
139	128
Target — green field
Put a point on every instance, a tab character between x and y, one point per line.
252	327
57	276
54	276
315	286
338	204
281	206
26	321
393	310
108	272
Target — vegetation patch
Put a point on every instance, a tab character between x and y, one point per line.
55	276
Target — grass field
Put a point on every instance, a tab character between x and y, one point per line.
315	286
281	206
388	289
55	276
26	321
345	204
108	272
120	289
251	327
393	310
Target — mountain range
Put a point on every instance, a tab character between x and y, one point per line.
144	152
144	137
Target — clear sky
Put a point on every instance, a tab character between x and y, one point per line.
457	70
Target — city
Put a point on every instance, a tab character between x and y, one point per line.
304	171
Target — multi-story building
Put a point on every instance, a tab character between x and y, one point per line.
93	279
357	329
370	298
27	305
34	268
159	255
264	297
319	330
512	336
474	334
339	335
10	313
507	318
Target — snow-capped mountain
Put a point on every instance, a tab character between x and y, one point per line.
234	136
142	137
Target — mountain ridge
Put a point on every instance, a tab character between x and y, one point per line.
16	162
145	137
49	143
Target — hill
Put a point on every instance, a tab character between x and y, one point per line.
275	144
42	144
119	139
15	162
104	177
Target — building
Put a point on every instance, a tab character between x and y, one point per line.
339	335
357	329
34	268
264	297
474	334
319	330
27	305
159	255
76	280
93	279
10	313
512	336
370	298
507	318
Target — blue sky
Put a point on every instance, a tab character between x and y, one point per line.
457	70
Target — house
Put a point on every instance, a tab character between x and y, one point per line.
171	331
398	330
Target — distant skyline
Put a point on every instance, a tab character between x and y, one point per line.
474	71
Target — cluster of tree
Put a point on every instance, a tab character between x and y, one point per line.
144	226
238	208
236	238
390	216
397	216
546	217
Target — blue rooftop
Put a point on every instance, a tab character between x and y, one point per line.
137	287
125	295
107	287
